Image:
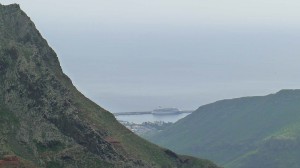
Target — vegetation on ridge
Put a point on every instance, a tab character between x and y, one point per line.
46	122
262	131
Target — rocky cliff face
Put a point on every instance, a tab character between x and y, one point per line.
46	122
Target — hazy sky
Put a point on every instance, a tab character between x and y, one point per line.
133	55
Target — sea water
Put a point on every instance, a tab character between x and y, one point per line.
138	119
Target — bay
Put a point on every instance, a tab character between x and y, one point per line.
138	119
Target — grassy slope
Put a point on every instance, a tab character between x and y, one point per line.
240	132
23	52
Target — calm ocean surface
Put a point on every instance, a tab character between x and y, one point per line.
138	119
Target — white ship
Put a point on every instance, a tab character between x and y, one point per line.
165	111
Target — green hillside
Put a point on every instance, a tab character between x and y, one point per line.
46	122
250	132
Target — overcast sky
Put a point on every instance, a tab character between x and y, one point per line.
136	55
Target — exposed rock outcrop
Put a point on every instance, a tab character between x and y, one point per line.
46	122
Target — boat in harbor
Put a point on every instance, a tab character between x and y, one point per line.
165	111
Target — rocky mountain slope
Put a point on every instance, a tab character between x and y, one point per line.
46	122
250	132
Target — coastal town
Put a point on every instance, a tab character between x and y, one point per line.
146	128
